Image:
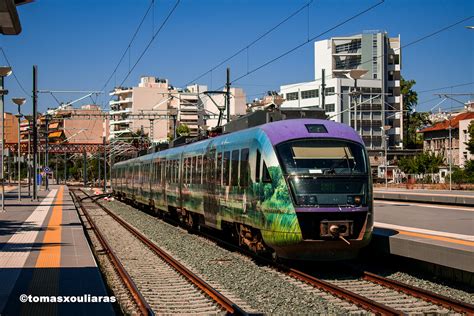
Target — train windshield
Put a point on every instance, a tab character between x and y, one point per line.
322	157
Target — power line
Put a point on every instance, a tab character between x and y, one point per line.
398	49
129	44
307	41
152	39
447	87
246	47
14	76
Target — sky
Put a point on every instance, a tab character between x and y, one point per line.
77	44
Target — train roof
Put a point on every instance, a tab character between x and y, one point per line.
281	131
277	132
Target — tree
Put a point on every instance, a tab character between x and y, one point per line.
423	163
411	121
183	130
416	121
470	143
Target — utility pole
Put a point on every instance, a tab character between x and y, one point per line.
46	155
105	165
85	169
323	88
35	132
65	168
227	94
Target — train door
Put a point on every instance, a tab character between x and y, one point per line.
211	203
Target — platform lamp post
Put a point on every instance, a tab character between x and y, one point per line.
4	72
19	102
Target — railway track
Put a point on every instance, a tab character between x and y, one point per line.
370	292
155	281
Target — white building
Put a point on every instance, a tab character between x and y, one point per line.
378	102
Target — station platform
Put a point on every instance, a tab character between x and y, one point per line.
46	260
440	235
453	197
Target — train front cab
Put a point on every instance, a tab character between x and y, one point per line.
330	188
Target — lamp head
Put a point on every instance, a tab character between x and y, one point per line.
5	71
19	101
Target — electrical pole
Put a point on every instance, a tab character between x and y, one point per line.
323	89
46	155
85	169
105	165
35	132
227	95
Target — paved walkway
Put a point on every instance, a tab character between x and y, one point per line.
44	253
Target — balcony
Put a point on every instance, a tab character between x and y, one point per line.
121	91
393	99
123	101
393	67
124	111
120	122
393	83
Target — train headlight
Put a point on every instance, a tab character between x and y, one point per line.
357	200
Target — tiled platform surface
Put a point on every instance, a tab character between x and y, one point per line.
453	197
439	235
44	252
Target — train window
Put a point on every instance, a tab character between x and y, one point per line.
219	169
193	169
188	170
185	170
257	166
244	168
235	168
176	163
316	128
266	178
226	168
199	169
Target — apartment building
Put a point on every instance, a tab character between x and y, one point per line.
11	128
151	94
375	108
85	125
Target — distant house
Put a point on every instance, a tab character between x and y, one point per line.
436	138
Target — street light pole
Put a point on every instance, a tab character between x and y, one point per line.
4	72
19	102
450	155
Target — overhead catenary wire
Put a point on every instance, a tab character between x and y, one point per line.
151	40
14	75
129	44
308	41
246	47
424	37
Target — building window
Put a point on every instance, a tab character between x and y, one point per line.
292	96
330	107
329	91
308	94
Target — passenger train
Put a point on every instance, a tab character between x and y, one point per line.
300	189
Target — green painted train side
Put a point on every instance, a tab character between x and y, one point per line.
234	192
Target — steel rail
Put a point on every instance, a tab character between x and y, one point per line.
435	298
142	304
344	294
223	301
335	290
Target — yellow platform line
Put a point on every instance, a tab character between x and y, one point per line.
50	254
440	238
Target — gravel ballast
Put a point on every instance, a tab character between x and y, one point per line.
262	289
